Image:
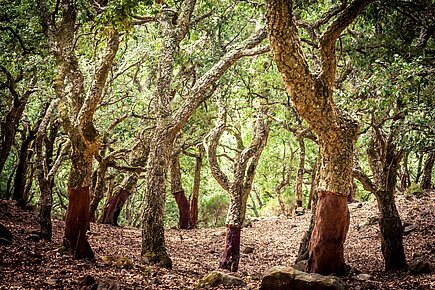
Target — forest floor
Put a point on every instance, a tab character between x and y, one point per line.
26	264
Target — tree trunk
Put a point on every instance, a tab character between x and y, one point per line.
384	161
76	222
405	177
45	205
231	255
153	240
312	95
427	171
46	169
8	126
173	28
244	166
304	246
179	194
114	204
391	232
21	175
195	189
419	167
332	215
98	189
301	171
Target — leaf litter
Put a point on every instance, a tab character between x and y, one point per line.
271	241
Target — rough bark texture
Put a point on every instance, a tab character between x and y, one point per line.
46	168
76	222
244	166
231	255
9	124
21	175
195	189
173	28
312	96
384	161
77	109
153	241
426	183
179	194
405	179
114	204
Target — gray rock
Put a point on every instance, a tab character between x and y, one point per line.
369	222
362	277
215	278
283	278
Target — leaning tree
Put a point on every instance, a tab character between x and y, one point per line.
77	107
311	92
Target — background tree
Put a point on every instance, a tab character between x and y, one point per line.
244	166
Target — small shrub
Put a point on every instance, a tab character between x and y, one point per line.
414	190
213	210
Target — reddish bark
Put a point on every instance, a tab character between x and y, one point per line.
114	206
329	234
183	209
230	257
76	221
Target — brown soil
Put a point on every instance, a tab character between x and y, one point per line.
26	264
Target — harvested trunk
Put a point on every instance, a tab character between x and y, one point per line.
77	111
114	204
427	171
231	255
312	96
244	166
76	222
179	194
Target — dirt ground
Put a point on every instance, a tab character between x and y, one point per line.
28	264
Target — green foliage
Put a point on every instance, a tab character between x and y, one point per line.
414	190
213	210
